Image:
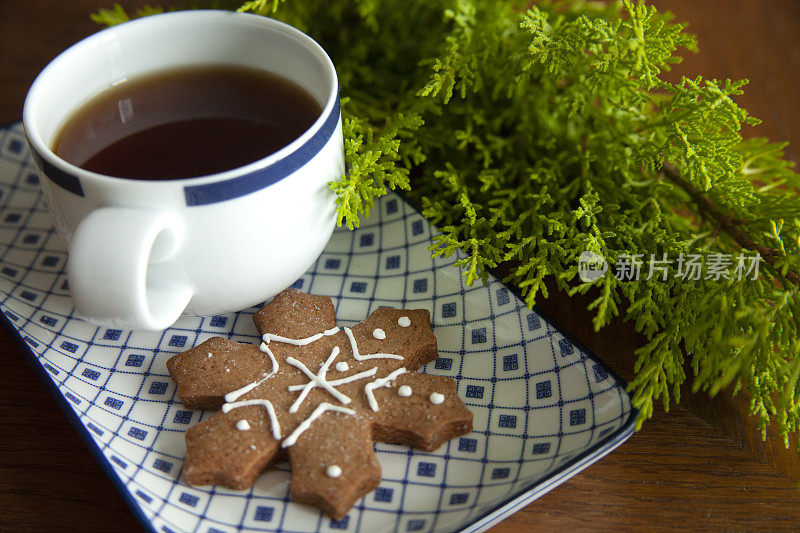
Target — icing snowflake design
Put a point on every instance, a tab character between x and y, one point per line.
317	393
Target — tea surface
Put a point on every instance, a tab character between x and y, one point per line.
187	122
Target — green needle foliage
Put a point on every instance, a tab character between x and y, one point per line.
530	135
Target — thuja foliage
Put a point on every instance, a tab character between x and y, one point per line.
530	135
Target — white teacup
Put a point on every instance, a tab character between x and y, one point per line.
141	253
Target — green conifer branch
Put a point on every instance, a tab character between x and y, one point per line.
729	224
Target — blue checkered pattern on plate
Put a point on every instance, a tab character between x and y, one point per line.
543	407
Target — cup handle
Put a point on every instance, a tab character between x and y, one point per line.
123	271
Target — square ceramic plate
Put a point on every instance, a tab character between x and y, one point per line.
544	407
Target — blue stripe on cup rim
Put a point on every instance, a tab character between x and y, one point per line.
256	180
63	179
220	191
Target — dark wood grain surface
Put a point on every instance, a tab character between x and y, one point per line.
702	465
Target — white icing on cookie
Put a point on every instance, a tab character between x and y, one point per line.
358	357
264	348
238	393
252	446
269	337
333	471
305	424
341	381
316	380
273	416
321	380
378	383
208	355
436	398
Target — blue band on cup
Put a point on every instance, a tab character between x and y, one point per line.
220	191
56	175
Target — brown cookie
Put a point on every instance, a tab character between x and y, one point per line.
316	393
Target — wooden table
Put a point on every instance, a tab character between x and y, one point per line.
702	465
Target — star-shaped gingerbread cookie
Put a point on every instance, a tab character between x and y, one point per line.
316	393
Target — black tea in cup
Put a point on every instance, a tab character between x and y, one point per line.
186	122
